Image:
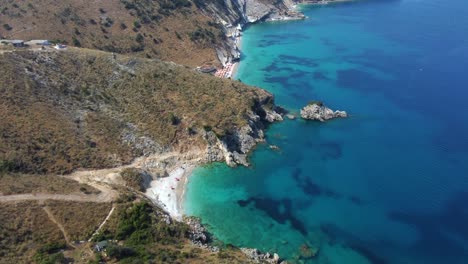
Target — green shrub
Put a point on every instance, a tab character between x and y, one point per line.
137	218
50	248
56	258
119	252
174	119
76	42
139	38
7	27
109	22
137	48
6	166
48	254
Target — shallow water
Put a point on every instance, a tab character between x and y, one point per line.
387	185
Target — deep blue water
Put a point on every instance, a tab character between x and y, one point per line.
387	185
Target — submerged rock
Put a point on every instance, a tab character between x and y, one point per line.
274	147
318	111
307	252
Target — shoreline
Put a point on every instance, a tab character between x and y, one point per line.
228	70
168	192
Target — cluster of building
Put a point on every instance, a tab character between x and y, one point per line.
18	43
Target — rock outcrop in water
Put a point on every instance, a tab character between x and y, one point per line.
318	111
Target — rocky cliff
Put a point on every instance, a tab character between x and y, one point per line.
234	147
235	14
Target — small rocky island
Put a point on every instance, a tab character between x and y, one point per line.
316	110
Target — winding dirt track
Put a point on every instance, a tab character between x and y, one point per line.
102	180
100	198
59	225
102	224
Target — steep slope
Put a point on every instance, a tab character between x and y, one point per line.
88	109
232	14
248	11
186	32
164	29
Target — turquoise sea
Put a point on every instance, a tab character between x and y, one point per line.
387	185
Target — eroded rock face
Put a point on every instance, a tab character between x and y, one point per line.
234	148
199	235
318	111
232	14
256	10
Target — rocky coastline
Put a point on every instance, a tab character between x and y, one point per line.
234	15
233	148
200	237
168	185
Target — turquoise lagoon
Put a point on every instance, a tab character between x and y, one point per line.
387	185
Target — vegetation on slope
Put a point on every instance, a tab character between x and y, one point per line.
165	29
89	109
147	236
25	227
79	223
11	184
144	235
62	111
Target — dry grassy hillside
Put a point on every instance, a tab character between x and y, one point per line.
88	109
30	233
165	29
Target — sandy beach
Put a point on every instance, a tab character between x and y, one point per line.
168	192
234	70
